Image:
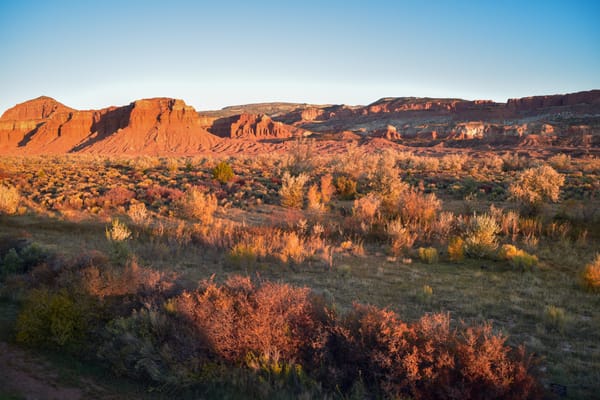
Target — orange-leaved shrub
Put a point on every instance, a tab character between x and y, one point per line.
590	277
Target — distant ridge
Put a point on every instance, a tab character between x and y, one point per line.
162	126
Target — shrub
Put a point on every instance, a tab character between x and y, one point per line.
425	295
401	237
9	199
293	248
554	318
292	190
419	210
590	278
138	214
366	208
314	198
428	255
242	255
327	188
141	346
223	172
118	196
118	231
199	205
518	258
424	360
53	319
346	187
560	161
537	185
456	249
481	238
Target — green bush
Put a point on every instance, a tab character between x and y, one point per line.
12	263
54	319
223	172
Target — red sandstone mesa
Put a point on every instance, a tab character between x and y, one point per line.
169	126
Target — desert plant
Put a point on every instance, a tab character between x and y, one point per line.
560	161
314	198
481	240
346	187
590	277
138	214
428	255
366	208
518	258
223	172
426	294
456	249
49	318
534	186
9	199
293	248
118	231
199	205
401	237
292	190
554	318
327	188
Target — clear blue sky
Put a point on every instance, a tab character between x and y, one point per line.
92	54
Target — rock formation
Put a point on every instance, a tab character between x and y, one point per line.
389	132
151	126
254	126
169	126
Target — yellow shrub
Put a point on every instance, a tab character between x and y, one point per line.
428	255
9	199
590	278
456	249
518	258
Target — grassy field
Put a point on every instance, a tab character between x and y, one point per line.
346	249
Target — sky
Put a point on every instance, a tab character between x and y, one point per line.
93	54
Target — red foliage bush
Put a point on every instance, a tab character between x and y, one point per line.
162	194
239	318
422	360
117	196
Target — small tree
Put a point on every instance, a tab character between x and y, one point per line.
223	172
534	186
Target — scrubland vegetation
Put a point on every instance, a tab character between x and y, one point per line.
377	275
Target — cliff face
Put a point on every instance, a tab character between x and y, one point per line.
589	98
169	126
254	127
569	119
151	126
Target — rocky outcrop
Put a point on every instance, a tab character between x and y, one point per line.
254	127
151	126
389	132
591	97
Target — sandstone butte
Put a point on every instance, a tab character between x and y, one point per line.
168	126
